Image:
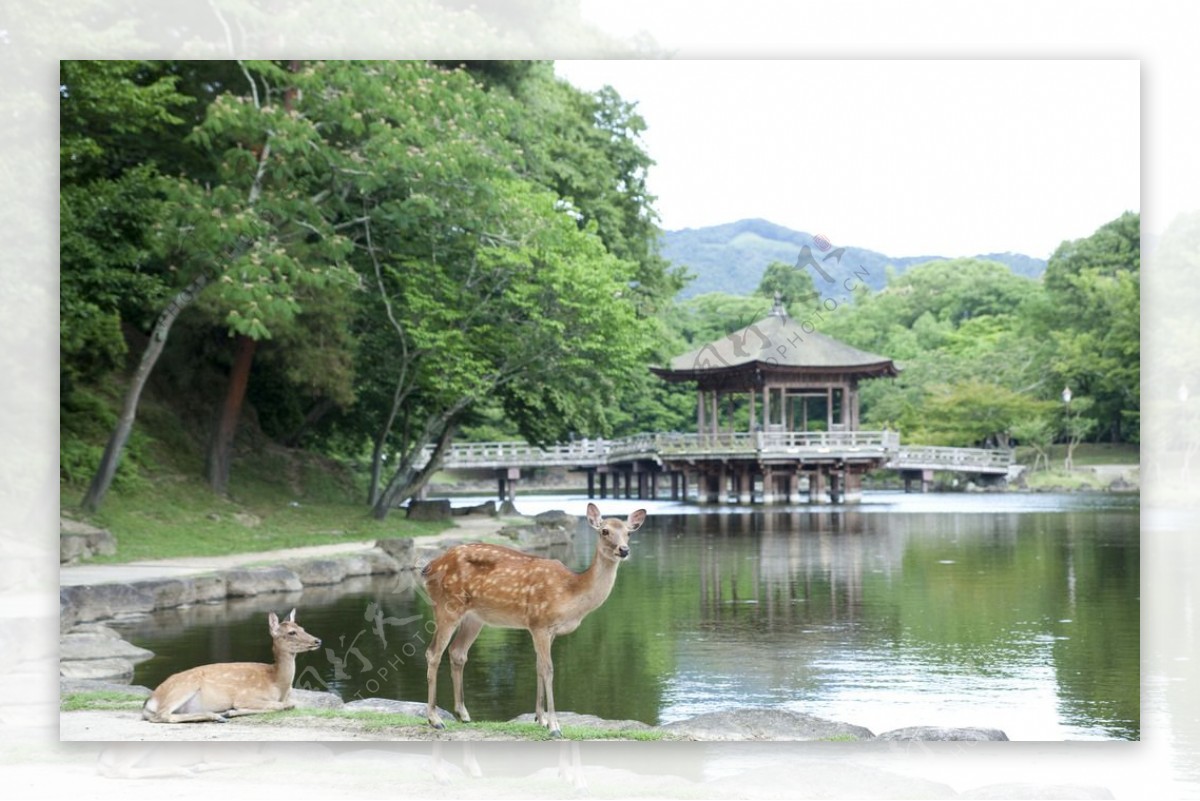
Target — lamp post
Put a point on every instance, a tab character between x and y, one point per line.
1066	396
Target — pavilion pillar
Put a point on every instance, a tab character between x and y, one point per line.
716	409
700	412
753	422
675	486
766	407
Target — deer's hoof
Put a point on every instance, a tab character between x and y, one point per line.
556	734
437	724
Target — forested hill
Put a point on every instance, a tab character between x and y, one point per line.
731	258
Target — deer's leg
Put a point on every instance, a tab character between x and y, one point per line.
446	623
468	630
542	641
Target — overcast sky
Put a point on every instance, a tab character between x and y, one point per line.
950	158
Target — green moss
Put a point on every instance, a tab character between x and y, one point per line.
100	699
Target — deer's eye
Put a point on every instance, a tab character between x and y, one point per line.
604	532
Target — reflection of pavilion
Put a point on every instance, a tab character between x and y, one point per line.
779	400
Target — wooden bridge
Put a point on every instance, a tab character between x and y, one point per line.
771	465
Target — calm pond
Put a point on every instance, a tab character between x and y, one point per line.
1013	611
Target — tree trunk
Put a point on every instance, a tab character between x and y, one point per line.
321	408
408	479
111	459
221	446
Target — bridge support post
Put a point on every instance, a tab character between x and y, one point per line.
793	486
853	489
514	475
835	487
591	474
768	493
641	486
745	484
628	481
603	483
654	485
816	486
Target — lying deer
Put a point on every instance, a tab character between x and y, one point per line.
478	583
227	689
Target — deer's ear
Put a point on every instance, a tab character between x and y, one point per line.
292	617
273	621
635	520
593	516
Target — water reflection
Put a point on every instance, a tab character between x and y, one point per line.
1015	619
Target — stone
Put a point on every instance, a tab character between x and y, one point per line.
588	721
487	508
319	571
428	510
207	589
371	563
393	707
169	593
114	669
76	646
79	541
556	518
536	537
402	549
88	602
315	699
944	734
257	581
764	724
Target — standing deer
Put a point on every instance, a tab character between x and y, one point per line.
227	689
478	583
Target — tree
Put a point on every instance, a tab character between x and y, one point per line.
794	286
109	205
1076	425
972	413
1037	433
1092	320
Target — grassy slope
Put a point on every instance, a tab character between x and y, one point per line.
278	498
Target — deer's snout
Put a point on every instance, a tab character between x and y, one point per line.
623	551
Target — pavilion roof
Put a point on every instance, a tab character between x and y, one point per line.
780	343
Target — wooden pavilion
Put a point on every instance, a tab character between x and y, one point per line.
791	393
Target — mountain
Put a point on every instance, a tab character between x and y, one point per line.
731	258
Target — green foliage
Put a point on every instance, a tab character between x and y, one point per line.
1092	321
795	286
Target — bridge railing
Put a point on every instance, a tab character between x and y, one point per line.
593	453
940	458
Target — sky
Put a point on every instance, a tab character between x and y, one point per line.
905	157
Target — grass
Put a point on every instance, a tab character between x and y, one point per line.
386	721
178	517
1087	454
100	699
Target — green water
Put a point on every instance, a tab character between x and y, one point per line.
1017	612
